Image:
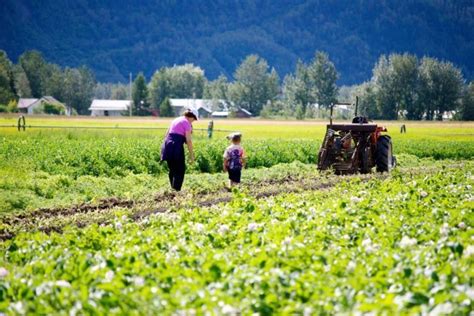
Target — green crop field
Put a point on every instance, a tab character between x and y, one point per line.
88	224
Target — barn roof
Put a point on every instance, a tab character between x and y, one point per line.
24	103
110	105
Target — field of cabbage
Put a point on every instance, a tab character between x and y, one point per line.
88	225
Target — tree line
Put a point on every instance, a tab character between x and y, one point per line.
401	87
34	77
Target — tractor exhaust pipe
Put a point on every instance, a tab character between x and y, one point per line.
357	106
330	116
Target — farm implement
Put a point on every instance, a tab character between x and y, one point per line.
356	147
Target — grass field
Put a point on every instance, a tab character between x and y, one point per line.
88	224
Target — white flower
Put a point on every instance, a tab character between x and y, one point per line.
118	225
407	242
199	228
109	276
139	281
355	199
469	252
3	272
366	242
351	266
43	288
252	227
442	309
368	245
229	310
75	309
308	311
286	241
124	218
62	283
444	230
154	290
401	300
462	225
18	307
423	194
470	293
223	229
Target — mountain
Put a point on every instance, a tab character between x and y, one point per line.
115	37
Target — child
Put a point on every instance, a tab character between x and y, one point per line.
234	159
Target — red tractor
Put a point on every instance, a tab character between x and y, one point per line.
356	147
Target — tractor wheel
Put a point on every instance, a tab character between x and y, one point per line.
383	154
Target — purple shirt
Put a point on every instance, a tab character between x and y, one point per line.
180	126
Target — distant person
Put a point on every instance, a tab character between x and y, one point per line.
172	150
234	159
210	129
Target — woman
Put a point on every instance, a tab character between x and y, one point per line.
173	147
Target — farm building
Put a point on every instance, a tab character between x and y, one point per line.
109	107
242	113
239	113
203	106
220	114
33	106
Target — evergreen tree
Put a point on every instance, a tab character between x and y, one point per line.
140	96
468	103
35	68
7	86
165	108
323	76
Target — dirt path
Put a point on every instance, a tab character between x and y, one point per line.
166	202
54	219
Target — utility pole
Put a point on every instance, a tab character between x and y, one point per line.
130	86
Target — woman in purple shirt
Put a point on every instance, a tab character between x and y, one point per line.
172	151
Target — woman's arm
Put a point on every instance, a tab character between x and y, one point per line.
189	142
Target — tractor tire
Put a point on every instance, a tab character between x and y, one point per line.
384	154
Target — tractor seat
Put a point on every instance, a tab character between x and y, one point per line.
360	120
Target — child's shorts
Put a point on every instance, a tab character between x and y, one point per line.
234	175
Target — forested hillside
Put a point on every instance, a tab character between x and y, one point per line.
115	37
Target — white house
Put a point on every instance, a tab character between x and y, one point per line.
203	106
28	106
109	107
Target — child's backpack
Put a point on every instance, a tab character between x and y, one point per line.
235	161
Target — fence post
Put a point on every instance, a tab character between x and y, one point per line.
21	123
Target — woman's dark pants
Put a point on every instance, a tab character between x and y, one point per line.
173	153
176	174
